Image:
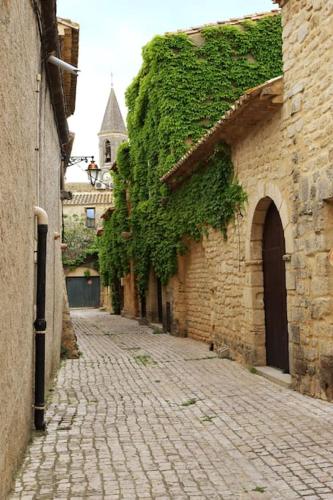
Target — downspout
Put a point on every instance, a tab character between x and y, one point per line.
40	322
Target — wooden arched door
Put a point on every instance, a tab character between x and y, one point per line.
275	294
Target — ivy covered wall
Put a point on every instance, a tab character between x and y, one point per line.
182	89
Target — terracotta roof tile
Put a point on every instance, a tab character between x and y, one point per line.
91	198
233	21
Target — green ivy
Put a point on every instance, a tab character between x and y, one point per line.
81	241
182	89
113	248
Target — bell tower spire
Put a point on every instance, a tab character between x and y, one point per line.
112	133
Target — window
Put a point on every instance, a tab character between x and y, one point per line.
107	151
90	217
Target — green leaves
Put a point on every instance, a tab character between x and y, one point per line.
81	241
182	89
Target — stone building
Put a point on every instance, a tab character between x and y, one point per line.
264	296
87	206
85	197
34	104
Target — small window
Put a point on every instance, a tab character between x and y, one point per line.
107	151
90	217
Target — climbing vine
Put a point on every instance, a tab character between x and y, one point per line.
184	86
113	248
80	240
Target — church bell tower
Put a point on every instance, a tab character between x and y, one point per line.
112	133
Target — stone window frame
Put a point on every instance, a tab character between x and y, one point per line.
90	221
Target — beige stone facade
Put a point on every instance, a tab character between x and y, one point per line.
307	126
284	160
85	196
282	156
30	143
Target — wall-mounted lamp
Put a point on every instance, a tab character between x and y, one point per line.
93	172
93	169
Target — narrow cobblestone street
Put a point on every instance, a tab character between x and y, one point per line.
146	415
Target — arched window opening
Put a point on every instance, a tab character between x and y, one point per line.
107	151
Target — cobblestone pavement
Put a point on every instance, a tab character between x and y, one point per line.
142	415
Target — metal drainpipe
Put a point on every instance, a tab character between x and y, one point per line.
40	322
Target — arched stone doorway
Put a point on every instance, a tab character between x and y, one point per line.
268	213
275	293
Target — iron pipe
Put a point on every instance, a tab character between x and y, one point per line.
40	321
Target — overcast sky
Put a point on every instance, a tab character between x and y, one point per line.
112	34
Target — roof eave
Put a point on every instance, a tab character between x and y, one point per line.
69	37
51	41
229	22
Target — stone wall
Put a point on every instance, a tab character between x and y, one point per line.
287	160
69	346
131	301
151	299
106	299
214	291
80	210
308	132
221	297
31	178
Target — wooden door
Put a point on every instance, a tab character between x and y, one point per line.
275	294
159	301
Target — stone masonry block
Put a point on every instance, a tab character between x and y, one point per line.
296	104
321	307
319	286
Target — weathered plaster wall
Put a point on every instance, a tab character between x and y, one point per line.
49	199
20	62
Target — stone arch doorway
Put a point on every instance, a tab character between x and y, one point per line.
275	292
259	204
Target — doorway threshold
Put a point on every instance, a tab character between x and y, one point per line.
274	375
157	327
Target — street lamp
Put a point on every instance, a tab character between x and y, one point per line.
93	171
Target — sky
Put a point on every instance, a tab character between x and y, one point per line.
112	34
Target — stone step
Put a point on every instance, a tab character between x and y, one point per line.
274	375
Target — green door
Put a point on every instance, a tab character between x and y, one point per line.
83	292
